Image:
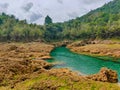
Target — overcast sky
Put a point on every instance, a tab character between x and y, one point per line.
34	11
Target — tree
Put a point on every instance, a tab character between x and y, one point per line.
1	22
48	20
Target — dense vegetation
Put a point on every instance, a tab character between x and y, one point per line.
48	20
15	30
103	23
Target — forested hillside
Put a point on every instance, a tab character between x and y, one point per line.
102	23
15	30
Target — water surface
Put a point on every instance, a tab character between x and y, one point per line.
84	64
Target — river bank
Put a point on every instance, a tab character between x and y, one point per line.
20	61
33	50
106	49
22	67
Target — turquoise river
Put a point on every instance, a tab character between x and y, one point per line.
86	65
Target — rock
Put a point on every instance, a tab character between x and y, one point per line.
105	75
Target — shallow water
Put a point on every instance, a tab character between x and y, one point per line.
84	64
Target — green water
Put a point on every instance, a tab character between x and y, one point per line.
84	64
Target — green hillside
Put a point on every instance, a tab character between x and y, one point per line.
102	23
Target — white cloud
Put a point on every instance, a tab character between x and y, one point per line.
3	7
60	10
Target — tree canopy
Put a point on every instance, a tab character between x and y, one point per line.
48	20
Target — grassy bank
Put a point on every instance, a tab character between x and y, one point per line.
47	81
102	57
106	50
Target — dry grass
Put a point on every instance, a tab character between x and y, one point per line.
19	61
109	49
32	50
21	70
50	82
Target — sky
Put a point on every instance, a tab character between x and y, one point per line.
34	11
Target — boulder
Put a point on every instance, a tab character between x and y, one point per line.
105	75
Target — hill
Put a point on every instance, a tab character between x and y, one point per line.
102	23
